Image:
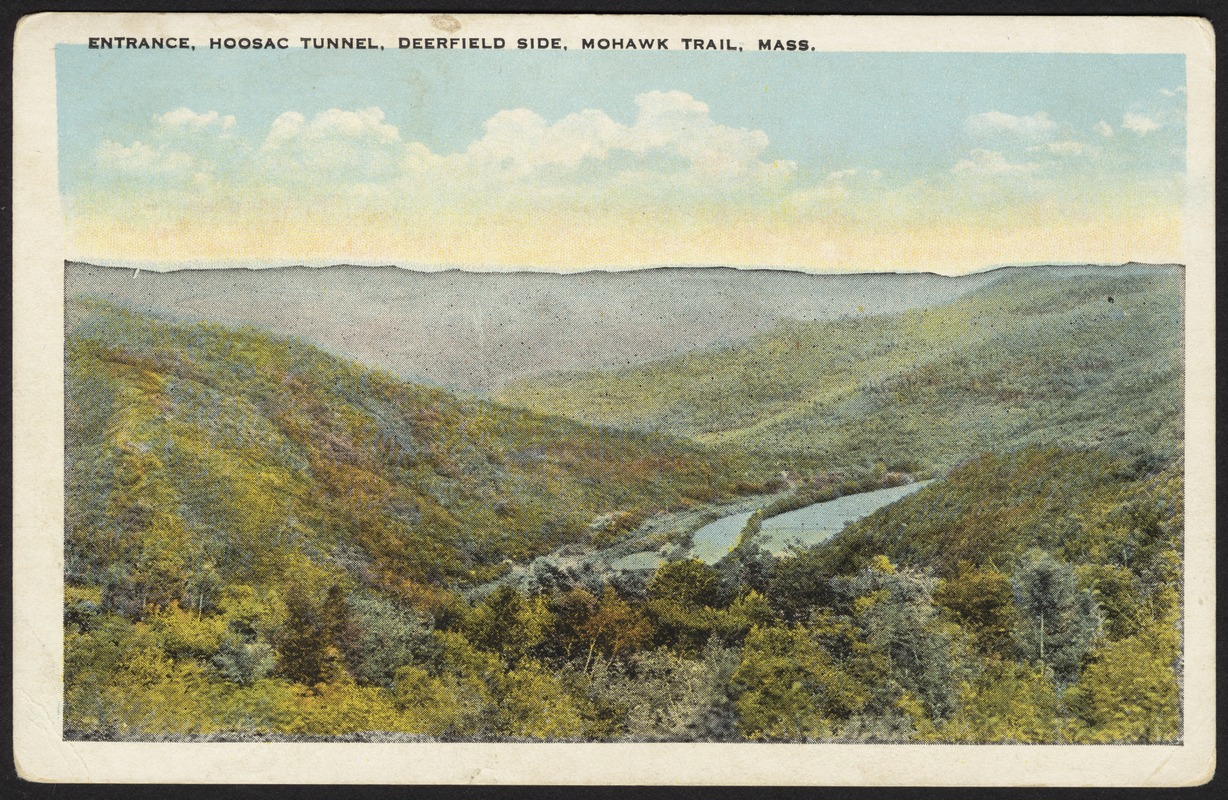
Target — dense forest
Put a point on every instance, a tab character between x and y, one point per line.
264	540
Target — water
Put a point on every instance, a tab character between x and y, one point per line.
713	541
804	526
819	522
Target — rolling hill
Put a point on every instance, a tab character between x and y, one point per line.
199	455
1081	357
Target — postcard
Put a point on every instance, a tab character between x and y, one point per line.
683	400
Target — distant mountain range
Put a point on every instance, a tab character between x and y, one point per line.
472	332
918	370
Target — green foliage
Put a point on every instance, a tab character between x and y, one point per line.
82	606
662	696
982	601
447	706
1129	692
788	687
615	628
316	637
799	583
684	628
509	624
688	582
182	634
1007	703
993	509
749	566
1035	357
263	539
909	655
1057	622
534	704
391	637
244	662
682	605
200	456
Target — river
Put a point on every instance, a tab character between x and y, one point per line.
804	526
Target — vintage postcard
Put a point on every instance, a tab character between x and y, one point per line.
565	399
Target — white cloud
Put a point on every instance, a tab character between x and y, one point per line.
667	117
992	163
668	125
1104	129
1139	123
518	141
139	157
187	119
285	128
675	121
994	122
332	125
1173	92
1063	148
673	147
333	148
672	153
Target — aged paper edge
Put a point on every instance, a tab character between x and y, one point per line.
38	248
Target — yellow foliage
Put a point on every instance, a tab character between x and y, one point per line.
183	633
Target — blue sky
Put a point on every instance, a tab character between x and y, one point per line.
820	161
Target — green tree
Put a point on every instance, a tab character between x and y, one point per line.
1058	623
614	628
445	706
683	597
982	602
1130	690
799	583
665	697
531	703
788	688
317	636
1119	594
508	624
392	636
1006	703
687	582
904	645
570	611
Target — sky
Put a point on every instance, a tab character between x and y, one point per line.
843	162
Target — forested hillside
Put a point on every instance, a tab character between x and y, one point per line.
1038	356
250	452
263	540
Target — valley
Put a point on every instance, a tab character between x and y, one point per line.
831	526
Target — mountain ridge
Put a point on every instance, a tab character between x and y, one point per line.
1011	356
473	332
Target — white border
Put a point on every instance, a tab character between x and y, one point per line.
38	247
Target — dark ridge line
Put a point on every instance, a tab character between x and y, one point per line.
613	272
